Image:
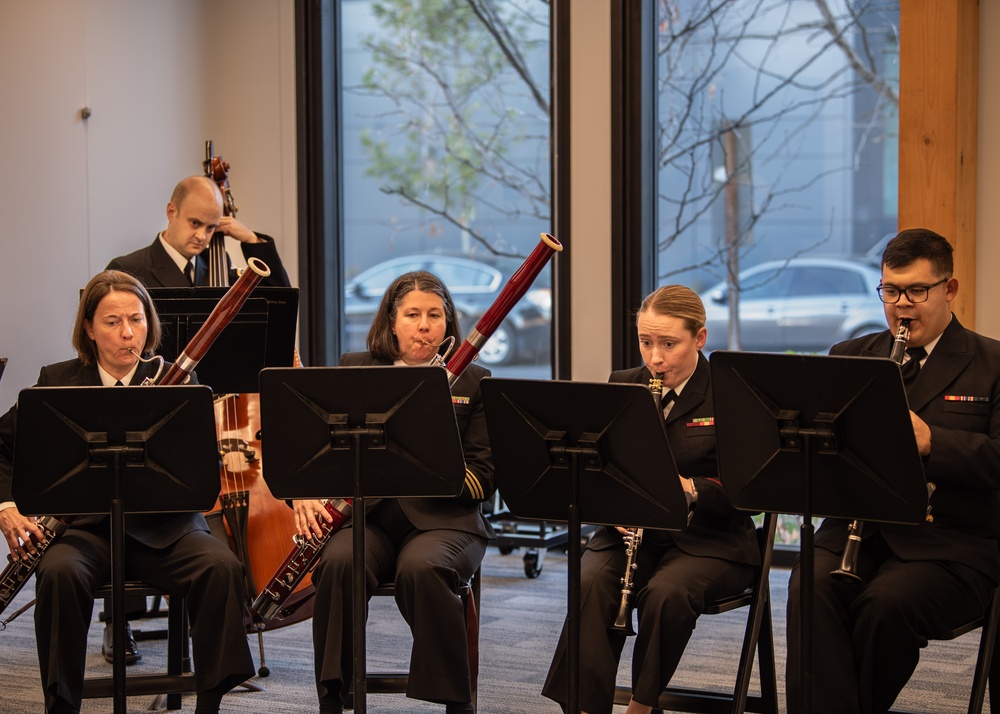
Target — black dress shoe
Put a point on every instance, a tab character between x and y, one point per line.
131	648
459	708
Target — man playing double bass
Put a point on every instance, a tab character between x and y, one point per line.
178	258
916	582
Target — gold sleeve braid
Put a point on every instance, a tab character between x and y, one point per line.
472	484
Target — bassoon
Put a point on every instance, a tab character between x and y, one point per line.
513	291
274	601
17	572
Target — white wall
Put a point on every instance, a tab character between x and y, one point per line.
43	163
159	78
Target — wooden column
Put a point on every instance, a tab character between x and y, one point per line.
939	48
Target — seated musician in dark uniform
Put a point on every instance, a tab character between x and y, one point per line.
678	573
427	546
115	323
915	581
177	258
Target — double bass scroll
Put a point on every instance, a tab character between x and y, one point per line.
218	171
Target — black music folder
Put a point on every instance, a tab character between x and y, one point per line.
262	334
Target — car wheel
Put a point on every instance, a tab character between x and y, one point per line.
500	348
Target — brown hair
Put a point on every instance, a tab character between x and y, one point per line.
97	289
677	301
382	342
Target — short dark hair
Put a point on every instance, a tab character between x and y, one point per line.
916	244
382	341
97	289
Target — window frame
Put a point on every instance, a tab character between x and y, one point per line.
320	165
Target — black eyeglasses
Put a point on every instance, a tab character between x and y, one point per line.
915	293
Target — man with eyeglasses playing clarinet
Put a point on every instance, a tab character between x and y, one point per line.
916	582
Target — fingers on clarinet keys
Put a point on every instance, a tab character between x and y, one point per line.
131	648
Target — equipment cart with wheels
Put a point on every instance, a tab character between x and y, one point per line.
534	536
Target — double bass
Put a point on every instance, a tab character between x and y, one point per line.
259	526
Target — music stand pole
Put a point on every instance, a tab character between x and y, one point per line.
359	581
547	437
573	589
118	580
804	434
328	427
806	583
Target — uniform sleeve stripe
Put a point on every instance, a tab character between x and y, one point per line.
472	483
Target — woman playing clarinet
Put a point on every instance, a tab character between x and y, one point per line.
676	573
115	324
428	547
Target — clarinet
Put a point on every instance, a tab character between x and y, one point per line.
632	539
849	560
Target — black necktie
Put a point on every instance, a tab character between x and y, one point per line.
189	272
667	399
119	383
911	368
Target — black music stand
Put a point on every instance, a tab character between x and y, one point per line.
360	432
807	434
93	450
262	334
579	451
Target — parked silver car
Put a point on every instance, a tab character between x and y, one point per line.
801	304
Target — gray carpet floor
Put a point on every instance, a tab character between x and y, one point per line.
521	619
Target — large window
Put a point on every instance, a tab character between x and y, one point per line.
444	163
771	169
776	153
